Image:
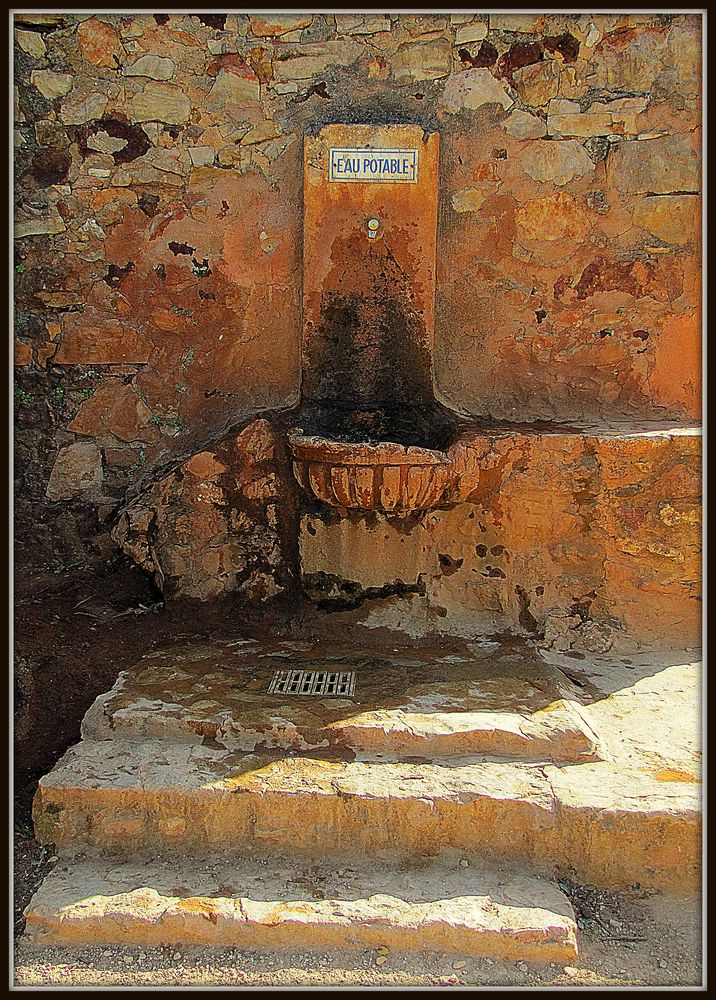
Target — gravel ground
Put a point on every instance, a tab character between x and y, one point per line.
600	964
626	939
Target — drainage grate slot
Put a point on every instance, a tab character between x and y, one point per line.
340	683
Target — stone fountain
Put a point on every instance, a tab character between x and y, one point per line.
373	435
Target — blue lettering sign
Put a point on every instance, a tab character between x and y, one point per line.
389	165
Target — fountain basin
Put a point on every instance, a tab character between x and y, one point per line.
382	477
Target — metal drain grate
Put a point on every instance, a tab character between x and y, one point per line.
340	683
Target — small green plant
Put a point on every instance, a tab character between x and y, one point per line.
180	426
186	358
24	828
181	311
172	423
23	397
20	268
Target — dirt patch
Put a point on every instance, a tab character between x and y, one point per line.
74	632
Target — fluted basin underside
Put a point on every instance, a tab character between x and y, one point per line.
362	476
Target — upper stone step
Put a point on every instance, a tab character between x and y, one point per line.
245	902
302	696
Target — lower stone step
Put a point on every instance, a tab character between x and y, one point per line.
246	902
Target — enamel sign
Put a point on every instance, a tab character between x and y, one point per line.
374	165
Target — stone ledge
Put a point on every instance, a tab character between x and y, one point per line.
542	521
621	429
635	817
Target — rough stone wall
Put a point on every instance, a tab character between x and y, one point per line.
159	223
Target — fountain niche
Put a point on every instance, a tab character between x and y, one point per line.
372	436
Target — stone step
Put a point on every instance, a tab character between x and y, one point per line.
603	823
247	903
558	733
479	700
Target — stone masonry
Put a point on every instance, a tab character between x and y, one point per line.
159	216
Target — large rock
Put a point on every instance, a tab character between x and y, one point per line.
602	118
155	67
471	89
523	125
31	42
668	165
46	225
90	339
212	526
631	60
22	353
557	162
672	218
422	61
51	84
79	112
233	88
359	24
474	31
523	23
306	61
537	84
424	25
100	43
468	200
115	408
77	471
264	26
161	102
